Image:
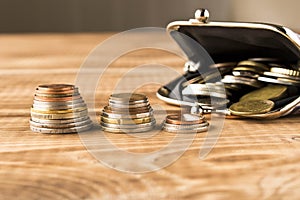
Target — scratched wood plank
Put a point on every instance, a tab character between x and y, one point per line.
251	160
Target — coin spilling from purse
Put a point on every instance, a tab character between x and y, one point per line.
240	69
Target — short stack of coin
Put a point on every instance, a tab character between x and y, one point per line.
127	113
185	123
59	109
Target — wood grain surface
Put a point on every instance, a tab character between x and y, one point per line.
253	159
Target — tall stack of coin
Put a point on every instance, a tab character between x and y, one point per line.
58	109
127	113
185	123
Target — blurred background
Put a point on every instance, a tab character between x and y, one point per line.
119	15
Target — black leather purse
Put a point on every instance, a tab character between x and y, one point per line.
228	60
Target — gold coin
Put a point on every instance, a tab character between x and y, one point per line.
271	92
59	116
110	109
251	69
254	64
185	119
251	107
125	121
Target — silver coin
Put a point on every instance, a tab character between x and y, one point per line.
59	121
134	126
129	106
57	103
128	97
45	95
59	125
215	90
277	75
136	130
64	107
185	127
242	80
129	110
126	102
126	115
278	81
62	130
196	130
59	116
245	74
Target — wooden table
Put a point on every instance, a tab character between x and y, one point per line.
251	160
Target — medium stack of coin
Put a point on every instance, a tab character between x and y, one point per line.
127	113
58	109
185	123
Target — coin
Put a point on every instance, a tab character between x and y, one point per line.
147	113
55	87
186	126
278	81
185	119
182	131
287	80
53	95
285	71
270	92
60	121
129	106
277	75
62	107
59	116
245	74
253	64
242	80
125	121
58	109
185	123
57	99
133	130
127	112
57	103
128	97
60	125
128	126
62	130
251	107
112	101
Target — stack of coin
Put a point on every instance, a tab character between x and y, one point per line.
58	109
185	123
127	113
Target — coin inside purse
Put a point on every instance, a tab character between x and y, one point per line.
255	68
